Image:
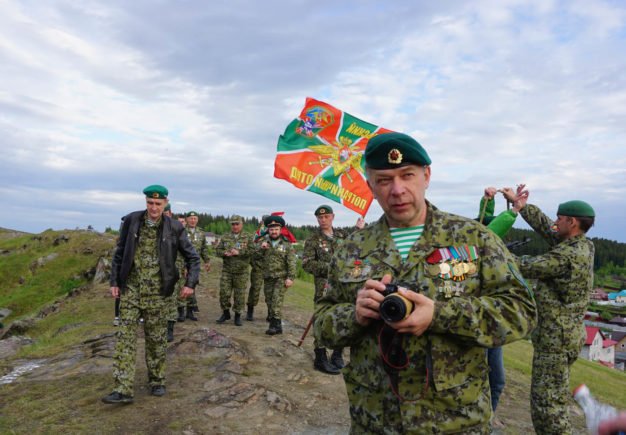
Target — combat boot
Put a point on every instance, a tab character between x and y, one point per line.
250	315
116	397
238	319
170	331
190	314
181	314
336	359
272	329
278	326
321	362
225	316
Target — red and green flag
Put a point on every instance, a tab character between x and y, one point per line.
322	151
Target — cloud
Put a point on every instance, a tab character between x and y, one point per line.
99	99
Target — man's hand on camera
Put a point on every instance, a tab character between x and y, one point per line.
421	317
368	300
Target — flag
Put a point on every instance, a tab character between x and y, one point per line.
322	151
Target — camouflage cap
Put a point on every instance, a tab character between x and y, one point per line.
236	219
323	209
394	150
191	213
156	191
576	208
274	221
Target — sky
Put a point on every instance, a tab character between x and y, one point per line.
99	99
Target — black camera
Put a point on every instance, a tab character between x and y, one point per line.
394	307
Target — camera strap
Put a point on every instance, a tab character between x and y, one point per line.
395	359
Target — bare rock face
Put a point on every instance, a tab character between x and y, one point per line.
11	345
18	327
40	262
103	271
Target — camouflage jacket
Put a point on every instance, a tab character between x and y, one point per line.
279	261
445	385
318	251
243	242
565	280
198	240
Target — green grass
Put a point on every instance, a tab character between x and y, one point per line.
27	287
608	385
300	296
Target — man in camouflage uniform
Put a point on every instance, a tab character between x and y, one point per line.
318	251
143	274
235	249
279	270
460	288
564	282
198	239
256	272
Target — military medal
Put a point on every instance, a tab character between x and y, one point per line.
458	290
471	269
444	268
432	269
457	270
357	268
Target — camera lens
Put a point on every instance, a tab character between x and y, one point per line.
395	308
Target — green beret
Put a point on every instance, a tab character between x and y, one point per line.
168	207
272	221
156	191
191	213
236	219
576	208
393	150
323	209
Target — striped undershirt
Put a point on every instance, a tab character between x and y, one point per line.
405	238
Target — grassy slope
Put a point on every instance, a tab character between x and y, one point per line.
41	285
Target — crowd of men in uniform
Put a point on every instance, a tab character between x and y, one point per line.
464	292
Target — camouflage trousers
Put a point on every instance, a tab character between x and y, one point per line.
190	302
549	392
256	284
274	290
154	310
233	285
172	305
378	411
320	288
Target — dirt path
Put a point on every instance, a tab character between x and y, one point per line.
259	383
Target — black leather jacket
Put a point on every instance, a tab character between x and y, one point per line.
173	239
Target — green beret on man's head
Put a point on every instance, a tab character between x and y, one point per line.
236	219
168	207
274	221
191	213
323	209
576	208
156	191
394	150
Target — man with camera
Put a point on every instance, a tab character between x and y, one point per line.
455	291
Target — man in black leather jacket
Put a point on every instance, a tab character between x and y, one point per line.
143	275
